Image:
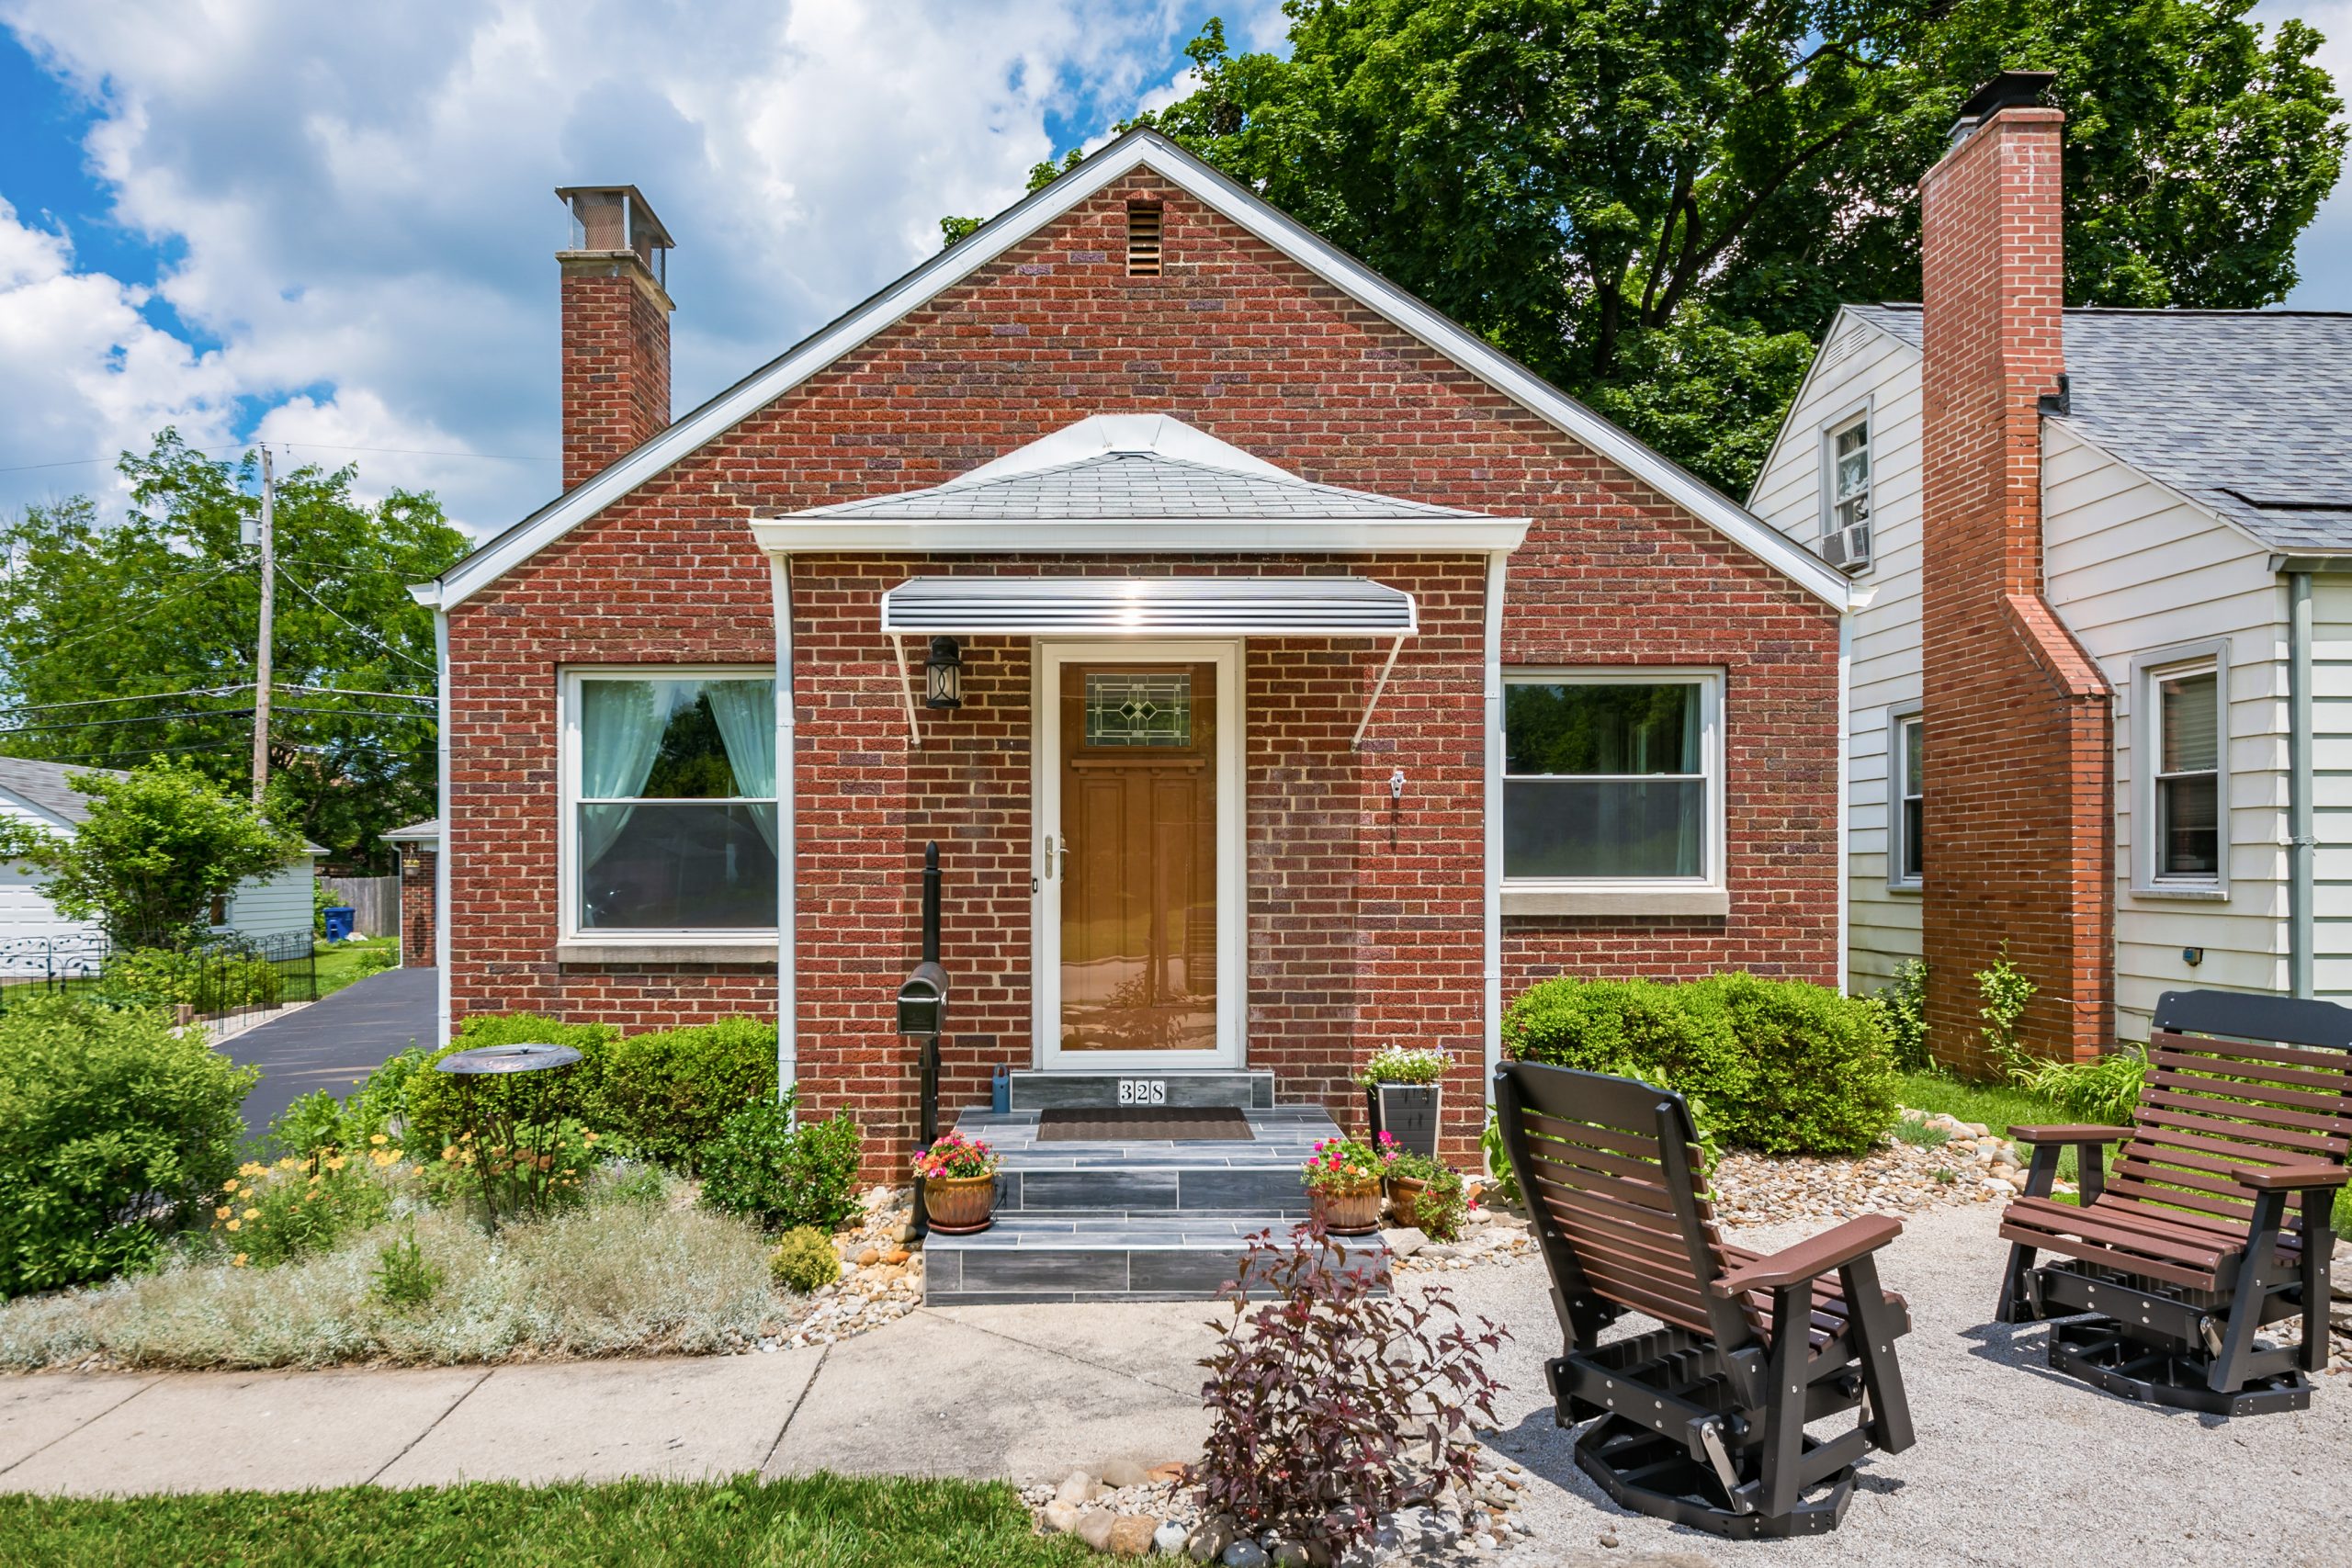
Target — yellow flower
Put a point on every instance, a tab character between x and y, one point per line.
228	1187
587	1137
334	1163
238	1261
222	1212
253	1213
237	1225
378	1140
450	1153
288	1163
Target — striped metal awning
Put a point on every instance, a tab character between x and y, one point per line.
1143	607
1148	607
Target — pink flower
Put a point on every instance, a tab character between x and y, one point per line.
1387	1136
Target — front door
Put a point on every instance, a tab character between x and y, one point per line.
1138	884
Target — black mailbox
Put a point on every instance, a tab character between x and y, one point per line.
922	1000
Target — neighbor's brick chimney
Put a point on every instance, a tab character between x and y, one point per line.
2020	819
616	327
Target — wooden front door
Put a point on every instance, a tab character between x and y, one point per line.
1139	755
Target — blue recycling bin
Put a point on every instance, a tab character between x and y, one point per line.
339	917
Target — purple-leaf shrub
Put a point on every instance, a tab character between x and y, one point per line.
1333	1404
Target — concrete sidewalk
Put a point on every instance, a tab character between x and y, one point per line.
1018	1392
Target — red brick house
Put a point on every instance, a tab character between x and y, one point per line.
1323	677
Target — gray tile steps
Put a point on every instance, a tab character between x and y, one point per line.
1259	1176
1030	1257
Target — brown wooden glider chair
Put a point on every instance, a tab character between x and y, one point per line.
2186	1249
1701	1421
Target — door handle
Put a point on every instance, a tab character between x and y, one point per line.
1055	858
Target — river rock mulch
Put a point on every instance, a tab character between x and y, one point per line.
881	1278
1129	1510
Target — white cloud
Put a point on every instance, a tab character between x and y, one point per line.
2323	252
361	198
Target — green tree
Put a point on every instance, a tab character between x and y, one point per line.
160	843
103	613
1659	203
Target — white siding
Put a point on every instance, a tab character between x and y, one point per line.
2332	787
25	915
2133	570
1859	364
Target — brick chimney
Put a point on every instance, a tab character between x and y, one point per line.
616	327
2019	766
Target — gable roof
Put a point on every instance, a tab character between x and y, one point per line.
2245	412
1138	149
44	786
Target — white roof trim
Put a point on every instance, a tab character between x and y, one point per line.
1141	149
1140	536
1148	607
1101	433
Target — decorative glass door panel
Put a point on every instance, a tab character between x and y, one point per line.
1138	861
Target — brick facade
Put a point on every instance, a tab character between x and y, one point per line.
1364	914
417	897
2018	726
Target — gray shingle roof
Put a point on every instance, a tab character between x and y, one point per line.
2246	413
1132	484
44	786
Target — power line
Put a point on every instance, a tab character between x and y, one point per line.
290	446
373	636
121	621
230	690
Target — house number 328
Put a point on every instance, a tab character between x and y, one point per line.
1143	1091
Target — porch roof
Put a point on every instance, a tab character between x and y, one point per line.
1148	607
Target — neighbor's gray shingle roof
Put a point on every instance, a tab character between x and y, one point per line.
2247	412
1137	484
44	785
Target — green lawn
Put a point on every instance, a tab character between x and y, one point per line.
339	966
819	1519
1998	1106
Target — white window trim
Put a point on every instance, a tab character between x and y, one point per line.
2146	742
697	944
1864	412
1705	895
1897	716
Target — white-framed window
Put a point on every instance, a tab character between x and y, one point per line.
668	802
1906	816
2186	739
1612	778
1846	491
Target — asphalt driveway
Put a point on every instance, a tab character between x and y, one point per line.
332	1044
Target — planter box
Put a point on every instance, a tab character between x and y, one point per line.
1406	1113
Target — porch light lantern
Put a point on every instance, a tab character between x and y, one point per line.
944	674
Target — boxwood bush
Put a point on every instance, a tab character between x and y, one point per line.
1784	1067
113	1125
433	1107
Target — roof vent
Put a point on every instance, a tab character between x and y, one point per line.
1143	238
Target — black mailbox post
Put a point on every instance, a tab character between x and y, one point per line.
922	1014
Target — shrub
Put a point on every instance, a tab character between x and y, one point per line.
1903	1016
1440	1211
2004	990
516	1170
211	979
1331	1405
2103	1091
313	1121
667	1094
403	1279
805	1260
1776	1065
269	1214
113	1125
765	1169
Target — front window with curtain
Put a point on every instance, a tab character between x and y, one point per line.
675	803
1607	779
2188	776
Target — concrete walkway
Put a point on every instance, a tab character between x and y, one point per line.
333	1044
1025	1393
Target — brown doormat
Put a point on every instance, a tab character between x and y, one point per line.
1141	1124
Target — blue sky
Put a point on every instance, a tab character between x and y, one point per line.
333	227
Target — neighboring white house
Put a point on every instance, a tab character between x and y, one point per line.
40	792
2197	531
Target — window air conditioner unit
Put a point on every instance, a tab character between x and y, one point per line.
1847	548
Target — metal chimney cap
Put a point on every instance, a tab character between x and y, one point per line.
2007	90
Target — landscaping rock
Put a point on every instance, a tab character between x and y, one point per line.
1059	1518
1243	1554
1209	1539
1290	1554
1404	1241
1124	1473
1095	1529
1077	1489
1170	1539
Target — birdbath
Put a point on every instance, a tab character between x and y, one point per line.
501	1125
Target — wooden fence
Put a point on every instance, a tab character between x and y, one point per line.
376	902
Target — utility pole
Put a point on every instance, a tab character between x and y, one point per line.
268	541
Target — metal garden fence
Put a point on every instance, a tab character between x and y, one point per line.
222	977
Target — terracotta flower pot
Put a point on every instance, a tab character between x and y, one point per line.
1347	1214
1405	1197
958	1205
